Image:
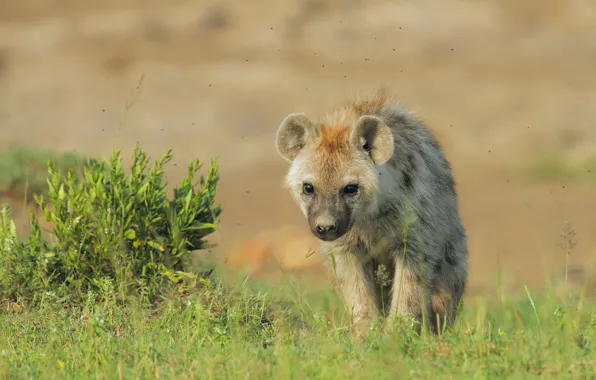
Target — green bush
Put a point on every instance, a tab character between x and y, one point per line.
110	229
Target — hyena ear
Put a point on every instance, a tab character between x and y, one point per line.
374	136
295	133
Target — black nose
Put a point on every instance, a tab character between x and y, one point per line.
324	228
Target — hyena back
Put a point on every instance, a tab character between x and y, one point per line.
378	193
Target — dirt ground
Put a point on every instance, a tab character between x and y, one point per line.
502	83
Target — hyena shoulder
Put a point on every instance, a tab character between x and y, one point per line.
412	139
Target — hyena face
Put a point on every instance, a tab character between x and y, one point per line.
335	167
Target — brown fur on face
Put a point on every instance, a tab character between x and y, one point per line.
399	169
340	156
333	140
337	153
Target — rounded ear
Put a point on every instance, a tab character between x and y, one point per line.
374	136
294	134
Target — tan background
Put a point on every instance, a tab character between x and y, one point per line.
502	83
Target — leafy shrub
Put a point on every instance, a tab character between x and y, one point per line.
109	228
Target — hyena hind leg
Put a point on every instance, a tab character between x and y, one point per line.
446	300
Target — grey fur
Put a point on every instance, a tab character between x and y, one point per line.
414	194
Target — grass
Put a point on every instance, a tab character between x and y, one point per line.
23	170
555	167
236	335
224	329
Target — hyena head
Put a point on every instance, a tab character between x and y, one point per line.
334	173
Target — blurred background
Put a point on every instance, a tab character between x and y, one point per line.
509	88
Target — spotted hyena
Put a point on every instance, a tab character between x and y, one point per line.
378	193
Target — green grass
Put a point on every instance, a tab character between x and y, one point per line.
555	167
23	170
67	311
235	335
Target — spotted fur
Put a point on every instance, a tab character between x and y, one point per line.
404	215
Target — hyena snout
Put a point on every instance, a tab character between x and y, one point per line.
327	228
323	228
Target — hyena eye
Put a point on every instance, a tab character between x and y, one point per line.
351	189
307	188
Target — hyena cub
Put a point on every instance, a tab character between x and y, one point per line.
378	193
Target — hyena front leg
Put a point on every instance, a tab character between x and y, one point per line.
356	289
406	295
